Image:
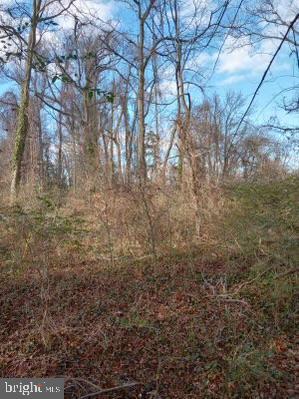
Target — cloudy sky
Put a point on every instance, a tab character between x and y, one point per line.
240	69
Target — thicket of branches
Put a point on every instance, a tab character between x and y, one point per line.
148	226
108	104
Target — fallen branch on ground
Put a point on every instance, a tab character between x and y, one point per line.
108	390
287	273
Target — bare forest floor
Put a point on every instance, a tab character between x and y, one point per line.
212	321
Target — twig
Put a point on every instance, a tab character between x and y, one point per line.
240	301
295	270
79	379
292	24
287	273
108	390
250	281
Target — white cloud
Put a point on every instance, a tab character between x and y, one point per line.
287	9
232	80
245	63
168	87
85	10
242	59
201	60
239	56
193	13
249	58
88	10
196	11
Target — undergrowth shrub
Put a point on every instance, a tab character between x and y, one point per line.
250	226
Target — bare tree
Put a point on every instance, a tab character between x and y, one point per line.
39	13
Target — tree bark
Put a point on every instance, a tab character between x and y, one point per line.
141	109
22	124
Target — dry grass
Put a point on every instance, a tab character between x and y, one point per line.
120	288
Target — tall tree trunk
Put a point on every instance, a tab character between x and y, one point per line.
111	150
22	124
59	160
90	134
142	173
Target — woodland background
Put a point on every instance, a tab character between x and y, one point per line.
148	223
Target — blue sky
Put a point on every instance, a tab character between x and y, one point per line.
269	100
239	70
